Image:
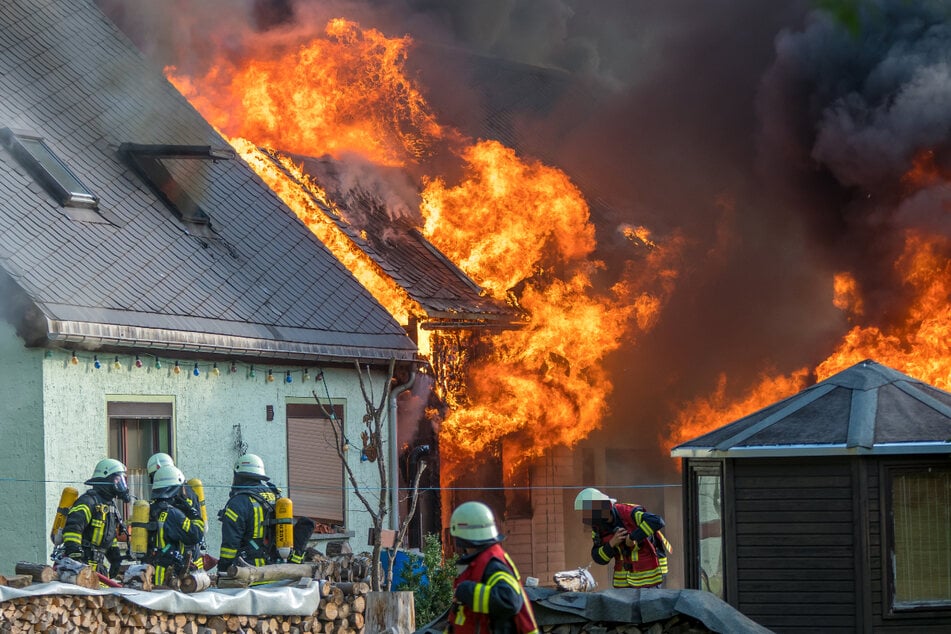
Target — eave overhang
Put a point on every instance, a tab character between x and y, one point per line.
796	451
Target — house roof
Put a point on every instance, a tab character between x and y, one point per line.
866	409
448	296
254	281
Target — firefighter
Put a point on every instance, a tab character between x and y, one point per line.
487	595
246	518
93	523
156	462
175	526
629	535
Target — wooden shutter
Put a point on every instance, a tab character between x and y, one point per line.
314	470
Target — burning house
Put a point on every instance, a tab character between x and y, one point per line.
157	295
690	228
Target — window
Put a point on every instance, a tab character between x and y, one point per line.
314	471
920	513
146	160
136	431
35	156
706	508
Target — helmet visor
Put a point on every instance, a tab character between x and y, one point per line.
121	486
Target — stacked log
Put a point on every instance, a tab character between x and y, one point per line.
341	611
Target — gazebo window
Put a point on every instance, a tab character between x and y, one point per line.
921	541
706	526
32	152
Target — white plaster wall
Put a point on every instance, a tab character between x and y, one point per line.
23	526
207	409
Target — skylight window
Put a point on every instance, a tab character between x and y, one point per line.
35	156
147	161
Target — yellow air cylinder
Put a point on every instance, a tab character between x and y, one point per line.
66	500
199	490
140	531
284	531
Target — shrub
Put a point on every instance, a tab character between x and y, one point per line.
430	579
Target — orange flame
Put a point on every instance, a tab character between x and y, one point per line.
344	93
919	346
520	229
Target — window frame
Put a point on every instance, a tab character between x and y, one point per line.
130	408
39	168
308	410
692	566
889	473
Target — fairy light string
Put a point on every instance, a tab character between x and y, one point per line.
143	364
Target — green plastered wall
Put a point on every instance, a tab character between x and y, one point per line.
53	418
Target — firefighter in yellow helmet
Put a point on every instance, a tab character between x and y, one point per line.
93	522
175	526
627	534
487	595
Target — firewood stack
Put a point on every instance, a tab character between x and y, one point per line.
341	611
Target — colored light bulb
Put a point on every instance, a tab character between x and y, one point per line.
270	376
214	370
95	362
138	361
116	365
288	378
196	371
74	360
177	369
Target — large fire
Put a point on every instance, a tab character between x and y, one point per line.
920	345
520	229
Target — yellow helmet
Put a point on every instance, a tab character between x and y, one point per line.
474	522
591	498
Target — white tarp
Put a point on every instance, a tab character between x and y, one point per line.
272	599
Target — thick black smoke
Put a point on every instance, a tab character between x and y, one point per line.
772	136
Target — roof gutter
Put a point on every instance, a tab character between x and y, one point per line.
91	336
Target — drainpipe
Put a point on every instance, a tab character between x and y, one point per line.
394	452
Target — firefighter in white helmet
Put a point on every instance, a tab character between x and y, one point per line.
93	523
629	535
175	526
160	460
248	519
488	595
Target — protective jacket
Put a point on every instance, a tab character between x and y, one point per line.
490	597
191	498
90	532
637	567
174	531
247	526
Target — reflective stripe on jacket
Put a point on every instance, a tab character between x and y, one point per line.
636	567
494	573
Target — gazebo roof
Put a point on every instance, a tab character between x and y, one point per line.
866	409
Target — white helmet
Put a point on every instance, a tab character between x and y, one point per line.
108	476
168	480
105	468
474	522
591	498
157	461
250	465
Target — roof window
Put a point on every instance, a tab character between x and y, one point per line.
146	160
36	157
